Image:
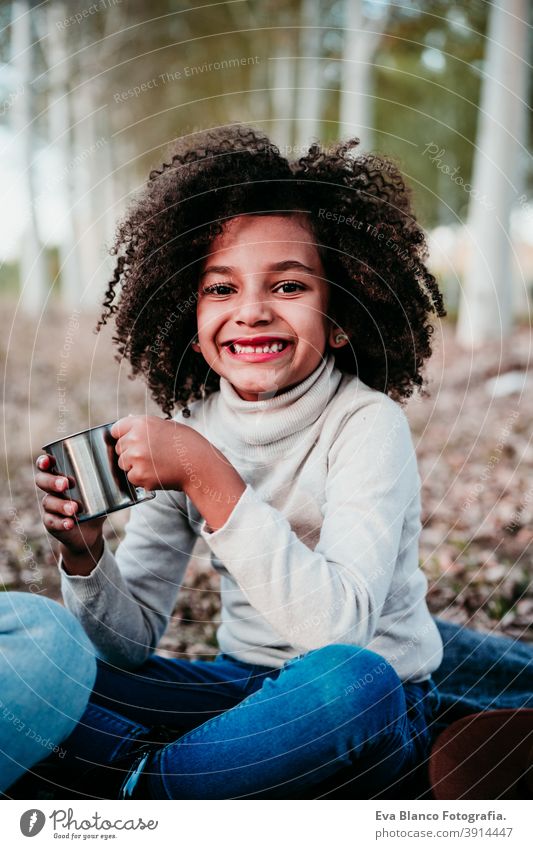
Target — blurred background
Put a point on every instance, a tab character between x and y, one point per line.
91	96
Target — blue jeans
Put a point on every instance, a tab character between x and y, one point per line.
47	670
247	731
481	671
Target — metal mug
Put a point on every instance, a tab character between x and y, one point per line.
90	463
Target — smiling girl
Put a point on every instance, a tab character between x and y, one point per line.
300	307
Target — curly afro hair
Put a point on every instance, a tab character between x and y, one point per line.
359	210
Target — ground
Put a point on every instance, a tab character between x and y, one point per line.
474	451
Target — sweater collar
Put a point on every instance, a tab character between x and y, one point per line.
281	417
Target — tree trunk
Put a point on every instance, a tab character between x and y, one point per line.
282	98
71	270
485	309
361	40
33	275
309	85
93	191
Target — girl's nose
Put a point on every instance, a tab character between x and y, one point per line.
253	309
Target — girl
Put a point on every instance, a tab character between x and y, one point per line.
285	306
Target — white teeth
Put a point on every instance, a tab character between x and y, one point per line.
263	349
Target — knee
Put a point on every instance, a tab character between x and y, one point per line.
360	667
64	643
46	644
47	669
50	620
352	675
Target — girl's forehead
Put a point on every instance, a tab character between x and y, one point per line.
264	233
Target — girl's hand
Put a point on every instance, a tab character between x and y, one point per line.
59	513
152	451
162	454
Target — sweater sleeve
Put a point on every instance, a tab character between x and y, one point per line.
125	603
334	593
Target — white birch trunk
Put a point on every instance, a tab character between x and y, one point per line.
361	40
107	198
93	190
101	185
32	262
309	78
485	308
282	99
72	270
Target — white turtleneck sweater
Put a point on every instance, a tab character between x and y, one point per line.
321	547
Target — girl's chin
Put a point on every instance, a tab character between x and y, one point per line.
254	392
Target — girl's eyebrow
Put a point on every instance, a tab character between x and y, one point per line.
216	269
277	266
291	263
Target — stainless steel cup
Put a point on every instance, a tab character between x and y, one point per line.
89	461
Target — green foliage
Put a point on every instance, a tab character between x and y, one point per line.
164	70
427	89
10	283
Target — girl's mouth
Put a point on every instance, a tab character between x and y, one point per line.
258	353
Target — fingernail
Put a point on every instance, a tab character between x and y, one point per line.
59	483
66	524
69	508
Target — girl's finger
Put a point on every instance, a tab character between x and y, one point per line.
121	463
59	505
45	461
121	427
56	523
51	483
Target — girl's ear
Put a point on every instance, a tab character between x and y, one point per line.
337	337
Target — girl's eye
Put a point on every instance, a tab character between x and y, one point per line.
216	288
208	290
294	284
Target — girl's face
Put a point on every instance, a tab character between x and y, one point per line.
262	305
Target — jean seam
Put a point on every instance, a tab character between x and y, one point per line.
419	737
110	721
115	727
160	772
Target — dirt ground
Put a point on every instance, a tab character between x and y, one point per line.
473	444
